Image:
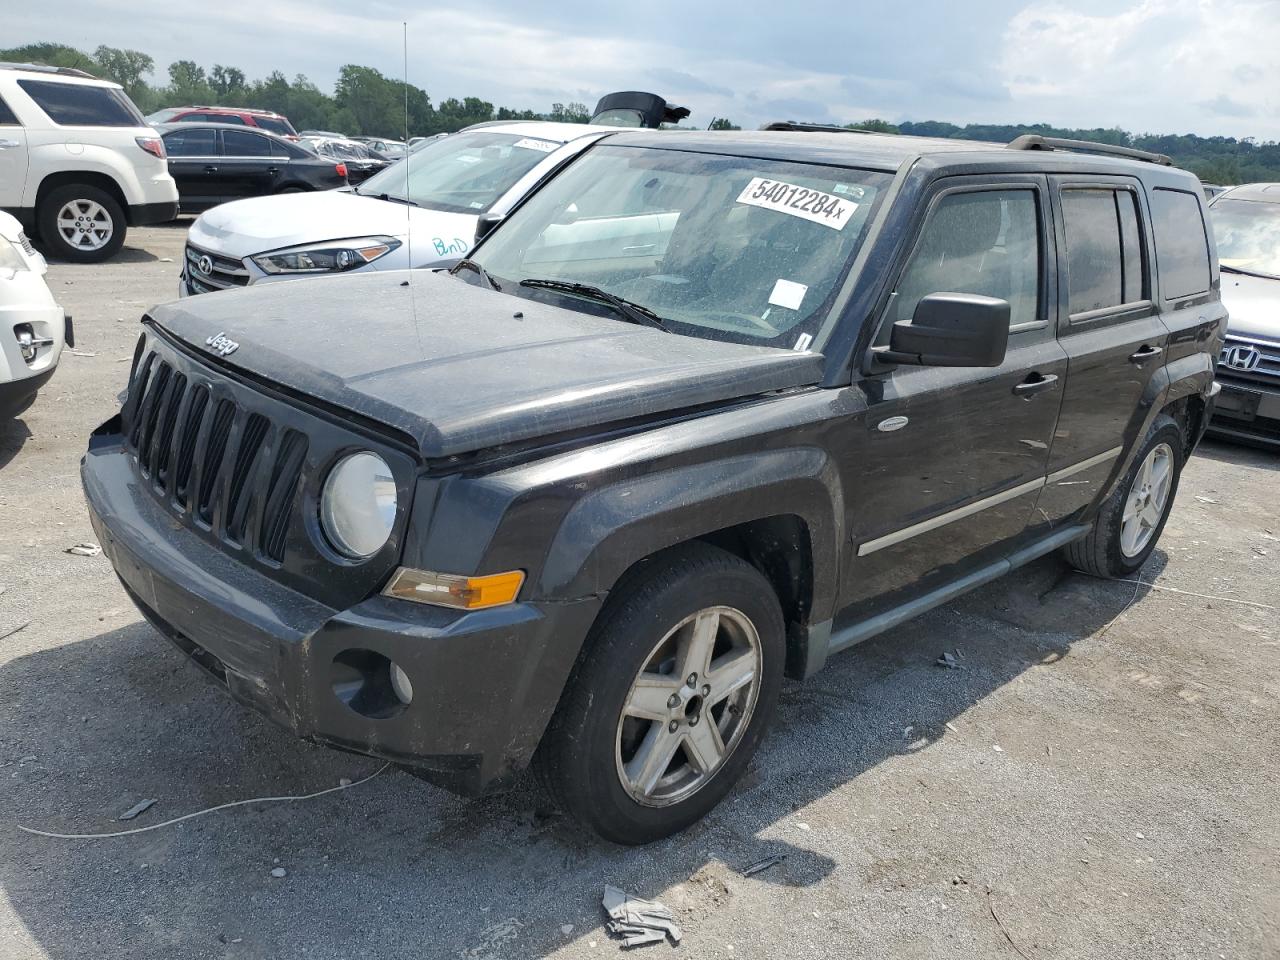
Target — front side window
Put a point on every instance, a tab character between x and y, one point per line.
721	247
82	105
462	173
985	242
1104	249
1248	235
236	143
198	142
1182	246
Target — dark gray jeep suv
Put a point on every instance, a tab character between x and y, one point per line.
704	410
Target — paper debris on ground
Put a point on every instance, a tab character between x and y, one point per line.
142	806
84	550
639	922
948	660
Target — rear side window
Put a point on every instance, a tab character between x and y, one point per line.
243	144
191	143
984	242
1182	247
275	125
80	105
1104	249
7	119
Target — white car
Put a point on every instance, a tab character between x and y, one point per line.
78	164
32	325
416	213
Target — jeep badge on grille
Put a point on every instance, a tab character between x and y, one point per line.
221	345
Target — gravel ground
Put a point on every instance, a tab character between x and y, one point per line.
1097	781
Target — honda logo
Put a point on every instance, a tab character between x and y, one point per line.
1241	357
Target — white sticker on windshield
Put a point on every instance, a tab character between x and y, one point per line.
788	294
545	146
796	201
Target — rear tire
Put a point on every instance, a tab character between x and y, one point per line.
697	613
81	224
1129	523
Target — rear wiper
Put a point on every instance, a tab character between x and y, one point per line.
631	312
466	263
394	199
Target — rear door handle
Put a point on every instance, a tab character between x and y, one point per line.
1145	354
210	169
273	170
8	144
1035	384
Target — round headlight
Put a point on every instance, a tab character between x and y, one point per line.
358	505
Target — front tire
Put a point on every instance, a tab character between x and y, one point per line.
1131	520
665	709
81	224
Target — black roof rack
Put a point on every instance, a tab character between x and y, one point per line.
1033	141
45	68
813	127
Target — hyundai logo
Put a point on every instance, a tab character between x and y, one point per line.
205	264
1241	357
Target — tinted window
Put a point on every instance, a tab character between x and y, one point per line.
274	124
242	144
7	119
1095	264
1182	248
226	118
74	104
986	243
1131	244
191	143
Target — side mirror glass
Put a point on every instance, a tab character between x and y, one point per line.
485	224
952	330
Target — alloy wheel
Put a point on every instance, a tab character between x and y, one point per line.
85	224
1145	503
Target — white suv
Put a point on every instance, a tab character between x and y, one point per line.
78	164
32	325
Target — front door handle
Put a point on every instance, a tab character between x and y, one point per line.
273	170
9	144
1035	384
211	169
1145	354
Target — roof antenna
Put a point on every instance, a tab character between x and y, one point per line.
408	219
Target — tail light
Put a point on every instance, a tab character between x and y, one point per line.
341	170
153	146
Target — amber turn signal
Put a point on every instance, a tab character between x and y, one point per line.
448	590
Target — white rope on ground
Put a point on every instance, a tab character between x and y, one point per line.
1202	596
199	813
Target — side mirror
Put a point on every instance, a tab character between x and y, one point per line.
485	224
952	330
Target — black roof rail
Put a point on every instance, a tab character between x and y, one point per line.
1031	141
45	68
813	127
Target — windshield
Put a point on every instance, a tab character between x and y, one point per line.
721	247
463	173
1248	235
275	125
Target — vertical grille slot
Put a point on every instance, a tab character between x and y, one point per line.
255	432
187	445
223	415
162	445
137	392
281	493
154	403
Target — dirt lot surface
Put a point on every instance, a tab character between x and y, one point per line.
1098	780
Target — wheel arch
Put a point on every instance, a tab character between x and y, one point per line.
91	178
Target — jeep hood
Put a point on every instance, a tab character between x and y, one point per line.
243	228
1253	304
459	368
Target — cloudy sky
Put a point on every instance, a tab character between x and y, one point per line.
1198	66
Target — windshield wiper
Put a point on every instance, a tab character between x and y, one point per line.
631	312
1248	273
391	197
468	264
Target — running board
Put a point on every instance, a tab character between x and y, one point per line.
850	636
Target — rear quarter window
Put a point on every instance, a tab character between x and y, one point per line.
1182	245
7	119
81	105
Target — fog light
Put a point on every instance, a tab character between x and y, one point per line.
400	684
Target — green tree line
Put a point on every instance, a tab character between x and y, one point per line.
365	102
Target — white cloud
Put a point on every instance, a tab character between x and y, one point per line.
1204	66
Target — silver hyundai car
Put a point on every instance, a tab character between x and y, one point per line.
1246	220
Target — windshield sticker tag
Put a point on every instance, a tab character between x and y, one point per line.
796	201
788	294
544	146
803	343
